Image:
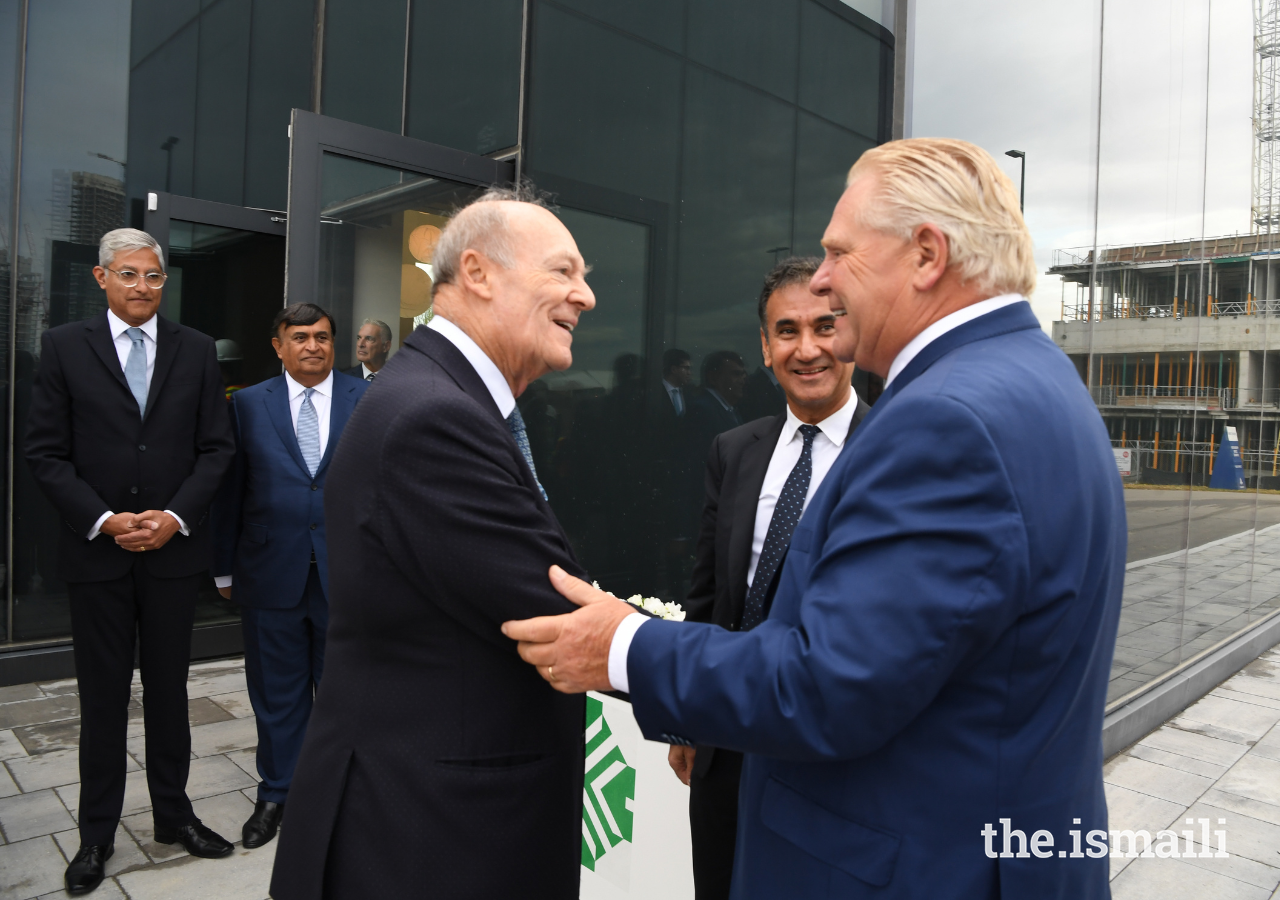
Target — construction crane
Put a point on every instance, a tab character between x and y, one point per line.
1265	211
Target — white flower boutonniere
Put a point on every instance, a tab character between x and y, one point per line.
672	612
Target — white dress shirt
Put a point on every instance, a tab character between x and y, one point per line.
484	366
621	643
124	346
365	372
322	400
786	453
942	326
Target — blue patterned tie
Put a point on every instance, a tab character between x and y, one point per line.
309	432
778	538
515	422
135	369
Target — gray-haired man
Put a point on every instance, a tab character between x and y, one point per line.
128	437
373	344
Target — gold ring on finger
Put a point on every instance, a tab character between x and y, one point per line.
551	673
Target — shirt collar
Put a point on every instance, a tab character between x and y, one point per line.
118	326
834	426
942	326
714	393
669	386
493	378
324	388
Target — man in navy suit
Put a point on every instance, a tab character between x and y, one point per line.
270	552
921	710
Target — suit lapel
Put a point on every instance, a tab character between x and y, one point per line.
276	399
753	467
168	337
340	407
99	336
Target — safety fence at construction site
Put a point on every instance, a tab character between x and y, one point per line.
1128	308
1174	455
1172	396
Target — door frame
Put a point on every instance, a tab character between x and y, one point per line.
312	135
162	208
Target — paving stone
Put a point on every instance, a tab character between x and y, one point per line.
214	775
128	855
108	890
37	739
31	868
1176	879
1248	684
247	760
1269	746
225	813
223	737
1214	731
141	828
26	815
1254	777
1246	718
203	711
1255	699
7	786
245	875
1176	785
237	703
38	712
227	680
1246	837
54	688
51	769
14	692
1195	745
1176	761
10	746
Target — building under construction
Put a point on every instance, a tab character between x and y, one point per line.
1176	340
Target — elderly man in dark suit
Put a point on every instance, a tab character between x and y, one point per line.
128	437
751	473
269	536
373	345
431	745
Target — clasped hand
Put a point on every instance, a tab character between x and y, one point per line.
138	532
571	651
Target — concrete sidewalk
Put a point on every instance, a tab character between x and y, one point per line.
39	793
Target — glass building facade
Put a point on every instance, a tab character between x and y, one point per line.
689	144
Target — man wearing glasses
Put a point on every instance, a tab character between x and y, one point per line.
128	437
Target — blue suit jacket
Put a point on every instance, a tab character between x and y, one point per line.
937	654
269	515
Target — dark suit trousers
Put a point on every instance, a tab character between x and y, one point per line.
283	660
106	619
713	821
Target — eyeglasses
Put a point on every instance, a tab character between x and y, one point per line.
129	278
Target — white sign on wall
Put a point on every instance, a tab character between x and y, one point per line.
1124	460
635	812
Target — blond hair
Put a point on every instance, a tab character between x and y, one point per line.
958	187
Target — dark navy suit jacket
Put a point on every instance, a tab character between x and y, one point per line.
937	654
270	511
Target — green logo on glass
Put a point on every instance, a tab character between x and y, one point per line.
607	792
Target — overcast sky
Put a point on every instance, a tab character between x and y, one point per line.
1012	74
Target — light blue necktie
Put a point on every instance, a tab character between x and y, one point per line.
135	369
515	422
677	400
309	432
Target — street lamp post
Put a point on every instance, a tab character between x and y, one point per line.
1022	191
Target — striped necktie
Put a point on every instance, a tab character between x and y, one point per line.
135	369
515	422
309	432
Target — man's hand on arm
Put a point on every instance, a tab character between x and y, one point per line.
572	651
150	530
681	761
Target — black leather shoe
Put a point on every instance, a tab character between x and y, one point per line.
88	868
198	840
262	825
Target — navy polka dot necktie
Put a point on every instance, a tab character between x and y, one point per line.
778	538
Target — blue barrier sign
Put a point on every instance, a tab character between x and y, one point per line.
1228	469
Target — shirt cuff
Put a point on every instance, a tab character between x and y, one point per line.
97	526
618	649
182	526
221	581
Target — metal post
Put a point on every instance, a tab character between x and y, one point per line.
19	99
1022	190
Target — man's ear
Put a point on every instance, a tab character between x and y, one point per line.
475	273
765	350
933	254
275	342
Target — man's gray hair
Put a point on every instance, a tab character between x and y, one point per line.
382	326
482	226
126	239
